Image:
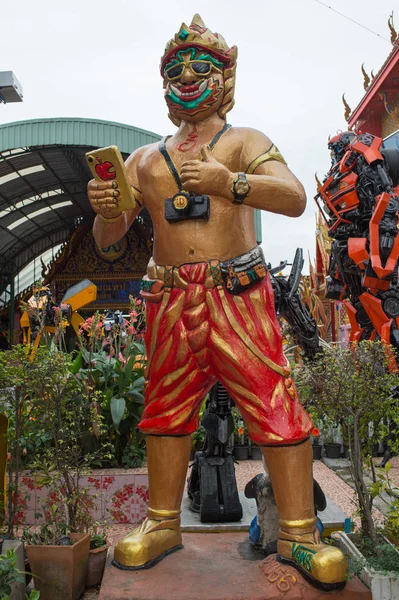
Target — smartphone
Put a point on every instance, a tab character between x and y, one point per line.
106	164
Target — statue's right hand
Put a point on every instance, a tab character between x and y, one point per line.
104	197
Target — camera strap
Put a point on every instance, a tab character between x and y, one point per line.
169	161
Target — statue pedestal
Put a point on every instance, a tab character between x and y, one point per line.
218	566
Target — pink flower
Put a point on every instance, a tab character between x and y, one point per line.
133	313
138	302
131	330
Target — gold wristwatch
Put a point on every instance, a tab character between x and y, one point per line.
240	188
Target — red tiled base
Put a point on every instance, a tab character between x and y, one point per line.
217	567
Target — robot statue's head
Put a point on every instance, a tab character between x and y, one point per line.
339	144
198	69
41	296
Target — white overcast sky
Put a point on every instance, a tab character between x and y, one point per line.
295	59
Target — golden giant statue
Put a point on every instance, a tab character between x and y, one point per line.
209	301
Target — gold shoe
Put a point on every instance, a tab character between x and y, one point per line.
145	546
324	566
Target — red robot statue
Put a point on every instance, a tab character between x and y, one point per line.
359	204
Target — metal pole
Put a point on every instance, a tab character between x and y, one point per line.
12	311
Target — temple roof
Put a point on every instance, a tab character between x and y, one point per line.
43	179
386	81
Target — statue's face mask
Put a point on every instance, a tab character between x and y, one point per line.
194	84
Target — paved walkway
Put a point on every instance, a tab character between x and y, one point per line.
394	472
333	486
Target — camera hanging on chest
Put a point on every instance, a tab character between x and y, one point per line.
185	205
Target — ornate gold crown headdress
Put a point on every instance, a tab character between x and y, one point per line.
197	35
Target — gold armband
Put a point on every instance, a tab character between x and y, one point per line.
272	154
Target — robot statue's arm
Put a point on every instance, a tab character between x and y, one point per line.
289	305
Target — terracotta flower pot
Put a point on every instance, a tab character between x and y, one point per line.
60	571
95	568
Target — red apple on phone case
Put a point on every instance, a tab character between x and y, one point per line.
103	170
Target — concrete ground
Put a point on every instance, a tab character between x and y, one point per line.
333	486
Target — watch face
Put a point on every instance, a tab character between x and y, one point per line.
241	187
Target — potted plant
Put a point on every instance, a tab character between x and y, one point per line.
97	559
58	407
19	431
330	435
241	448
379	573
197	441
58	560
255	451
10	576
354	385
316	446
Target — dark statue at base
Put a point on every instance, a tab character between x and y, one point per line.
260	488
212	485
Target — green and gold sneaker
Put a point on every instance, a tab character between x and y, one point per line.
324	566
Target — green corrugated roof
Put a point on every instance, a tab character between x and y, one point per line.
73	132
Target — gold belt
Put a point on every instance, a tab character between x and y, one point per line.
171	277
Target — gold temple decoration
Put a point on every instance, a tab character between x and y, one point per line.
348	109
367	80
318	182
392	29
